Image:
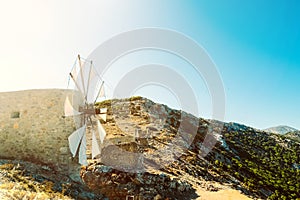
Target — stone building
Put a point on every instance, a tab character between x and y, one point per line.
33	128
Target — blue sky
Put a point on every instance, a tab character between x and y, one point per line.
254	44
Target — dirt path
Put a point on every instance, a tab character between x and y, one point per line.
227	194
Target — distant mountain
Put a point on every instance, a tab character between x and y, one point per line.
280	129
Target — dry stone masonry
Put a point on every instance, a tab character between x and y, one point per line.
33	128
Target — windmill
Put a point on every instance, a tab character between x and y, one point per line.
88	87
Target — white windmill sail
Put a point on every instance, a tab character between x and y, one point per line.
77	79
95	146
102	92
82	152
103	114
75	138
81	78
103	110
69	110
92	84
74	72
101	131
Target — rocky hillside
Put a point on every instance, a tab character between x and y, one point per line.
154	152
295	135
280	129
25	180
178	156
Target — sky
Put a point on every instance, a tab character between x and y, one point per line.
255	46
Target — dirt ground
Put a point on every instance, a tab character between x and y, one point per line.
227	194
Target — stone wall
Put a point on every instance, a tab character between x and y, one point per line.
33	128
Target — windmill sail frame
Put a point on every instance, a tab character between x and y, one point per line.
86	81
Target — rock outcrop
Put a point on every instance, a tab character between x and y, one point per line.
117	184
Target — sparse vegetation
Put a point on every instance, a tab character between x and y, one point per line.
16	184
264	163
105	103
15	114
19	182
134	98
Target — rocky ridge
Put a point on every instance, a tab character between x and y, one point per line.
201	154
163	153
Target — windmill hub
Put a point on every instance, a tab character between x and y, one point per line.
90	110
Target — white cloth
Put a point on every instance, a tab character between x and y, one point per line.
101	131
82	152
75	138
69	110
102	92
103	116
103	110
95	146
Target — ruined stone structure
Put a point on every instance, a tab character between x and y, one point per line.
33	128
